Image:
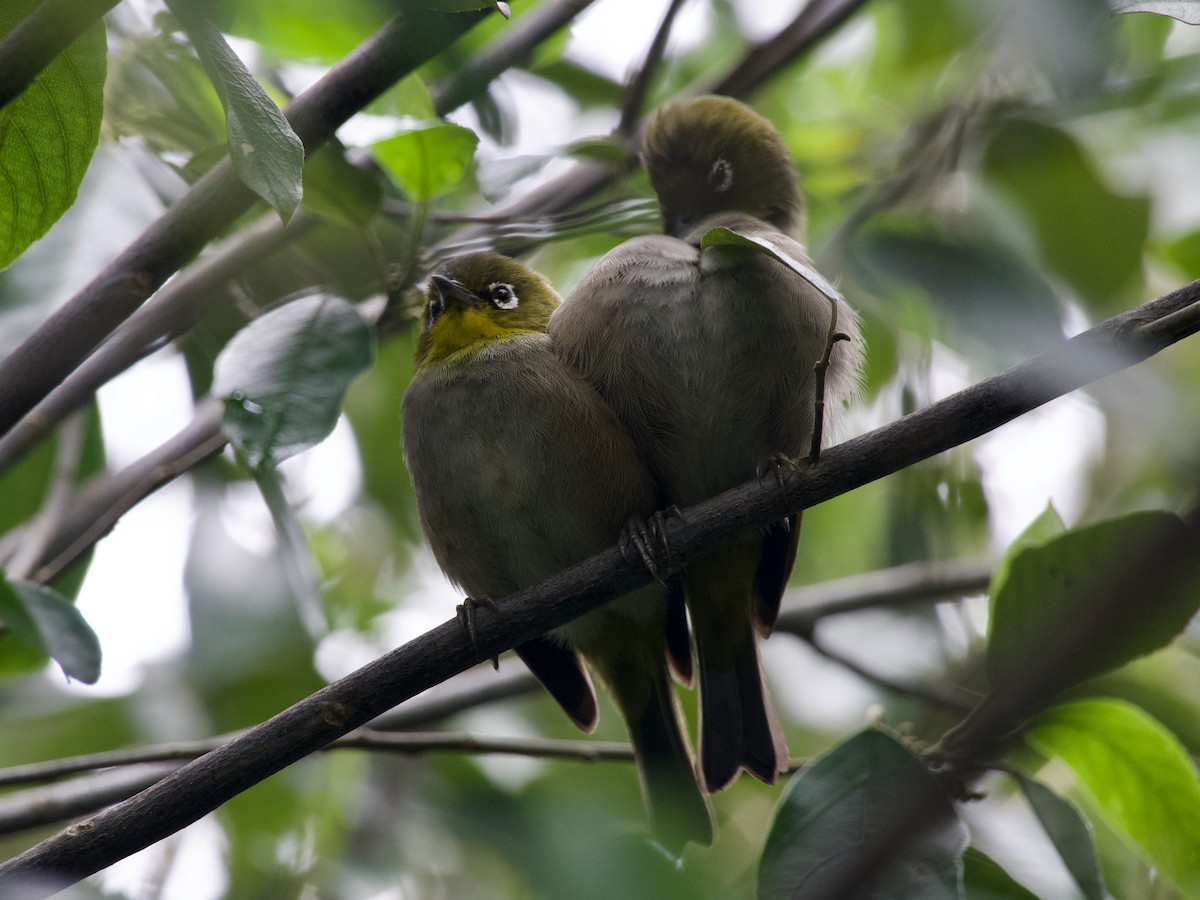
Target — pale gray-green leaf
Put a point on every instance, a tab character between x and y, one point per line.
722	236
1070	833
1184	10
267	155
284	375
48	622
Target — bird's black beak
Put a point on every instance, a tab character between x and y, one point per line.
445	292
676	223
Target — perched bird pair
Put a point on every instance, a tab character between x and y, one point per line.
533	431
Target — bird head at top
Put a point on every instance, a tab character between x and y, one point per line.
479	299
714	155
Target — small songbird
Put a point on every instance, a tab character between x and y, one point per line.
521	469
707	357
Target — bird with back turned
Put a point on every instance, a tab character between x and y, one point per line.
706	354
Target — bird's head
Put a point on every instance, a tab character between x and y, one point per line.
714	155
480	299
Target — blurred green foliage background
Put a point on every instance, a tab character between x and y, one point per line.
982	180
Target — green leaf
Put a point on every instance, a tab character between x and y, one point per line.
1070	834
267	155
1184	10
1052	586
1046	526
727	237
49	623
985	879
283	376
1089	234
866	806
1141	779
305	30
428	160
339	191
979	287
48	135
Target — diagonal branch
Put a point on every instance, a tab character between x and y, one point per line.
72	332
203	785
815	21
520	39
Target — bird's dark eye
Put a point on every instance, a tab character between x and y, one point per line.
720	176
503	296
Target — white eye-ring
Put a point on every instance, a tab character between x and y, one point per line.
720	176
504	296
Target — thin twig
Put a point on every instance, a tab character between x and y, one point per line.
37	538
818	19
919	582
203	785
98	507
513	47
408	743
639	84
957	701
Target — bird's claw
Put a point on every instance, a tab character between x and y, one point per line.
776	466
466	620
649	538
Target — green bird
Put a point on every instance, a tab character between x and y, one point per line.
707	356
521	469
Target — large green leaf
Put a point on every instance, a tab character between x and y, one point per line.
1046	526
48	135
866	819
979	287
305	30
283	376
267	155
1045	605
339	191
1142	780
51	625
1088	233
428	160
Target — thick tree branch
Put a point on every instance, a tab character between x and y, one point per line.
44	34
56	803
48	355
201	786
